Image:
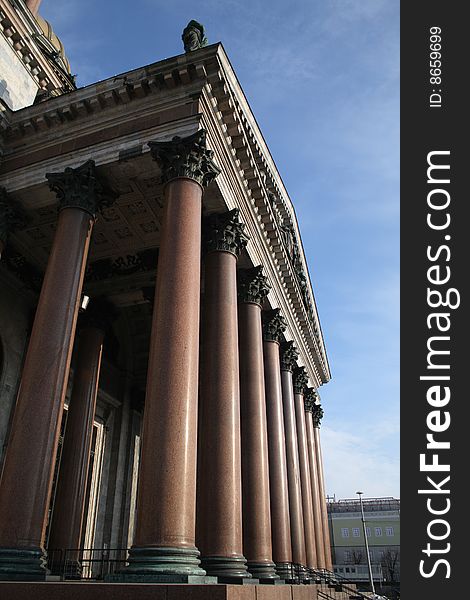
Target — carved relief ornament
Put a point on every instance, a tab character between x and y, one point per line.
300	380
80	188
225	232
289	356
185	157
274	325
253	286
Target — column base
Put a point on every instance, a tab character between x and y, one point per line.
300	574
285	571
160	578
163	561
262	570
226	567
22	564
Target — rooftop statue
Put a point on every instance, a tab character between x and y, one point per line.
193	36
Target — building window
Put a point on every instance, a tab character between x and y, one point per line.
356	532
345	532
368	531
389	531
347	556
378	532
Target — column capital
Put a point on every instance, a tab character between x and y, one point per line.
253	286
10	216
80	188
310	397
300	380
289	355
274	325
317	414
225	232
185	157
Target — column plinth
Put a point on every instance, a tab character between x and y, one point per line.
257	541
316	496
32	446
288	357
69	504
300	383
273	327
164	543
219	527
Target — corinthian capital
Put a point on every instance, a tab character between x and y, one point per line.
289	355
274	325
225	232
253	286
80	188
185	157
317	414
300	380
310	397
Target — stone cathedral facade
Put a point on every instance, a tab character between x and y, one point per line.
160	346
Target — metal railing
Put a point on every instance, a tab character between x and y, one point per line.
340	585
95	564
86	563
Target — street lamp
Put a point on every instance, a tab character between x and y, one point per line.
371	579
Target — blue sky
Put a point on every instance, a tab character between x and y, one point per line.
322	78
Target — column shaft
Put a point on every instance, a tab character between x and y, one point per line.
293	472
219	482
32	446
164	540
316	495
307	506
326	531
69	505
257	543
280	519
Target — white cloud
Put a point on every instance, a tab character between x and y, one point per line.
355	462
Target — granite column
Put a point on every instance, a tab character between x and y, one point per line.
164	544
32	447
219	527
309	399
69	505
317	417
273	328
289	356
257	542
300	383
